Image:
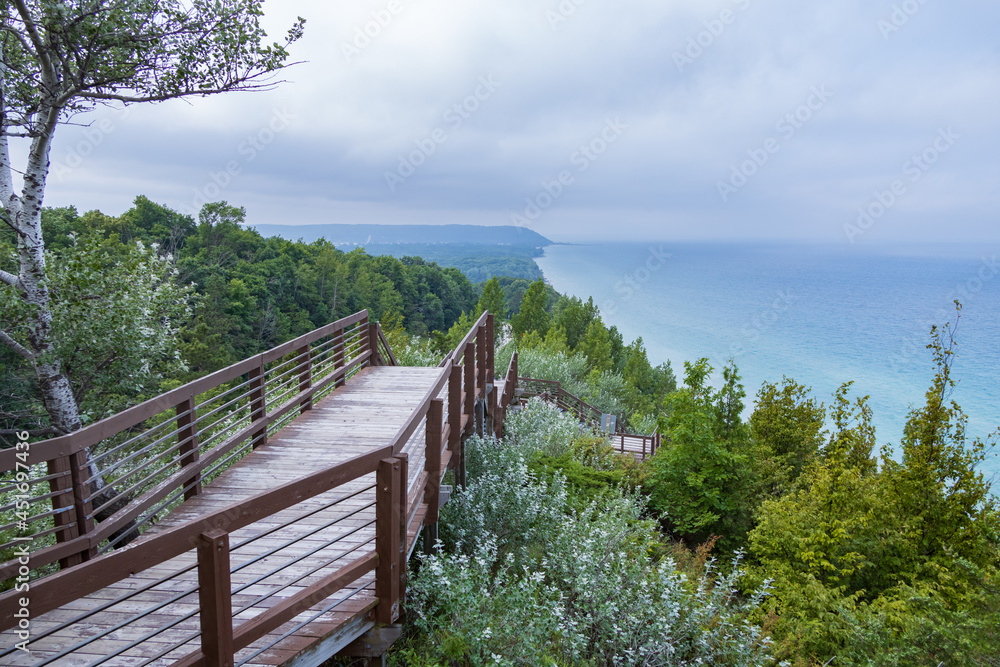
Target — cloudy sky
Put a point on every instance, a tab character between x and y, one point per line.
831	120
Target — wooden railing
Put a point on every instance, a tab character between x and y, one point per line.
97	488
313	366
643	446
553	392
508	397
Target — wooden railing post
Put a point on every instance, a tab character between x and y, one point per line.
63	504
481	361
387	520
481	380
376	358
215	598
432	460
496	412
455	411
79	471
258	404
490	347
470	386
304	358
338	356
492	400
187	436
404	513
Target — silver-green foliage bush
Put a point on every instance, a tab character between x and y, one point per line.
547	365
607	393
521	578
414	351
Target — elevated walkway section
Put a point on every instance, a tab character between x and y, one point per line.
289	555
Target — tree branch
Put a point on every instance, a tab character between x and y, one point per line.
10	279
132	99
16	35
6	219
33	35
17	347
7	193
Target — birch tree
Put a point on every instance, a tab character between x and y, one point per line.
62	58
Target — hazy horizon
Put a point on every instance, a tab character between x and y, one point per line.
838	121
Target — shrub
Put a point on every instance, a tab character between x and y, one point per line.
526	576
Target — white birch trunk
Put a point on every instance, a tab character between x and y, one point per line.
25	214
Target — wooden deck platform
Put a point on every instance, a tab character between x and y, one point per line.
152	618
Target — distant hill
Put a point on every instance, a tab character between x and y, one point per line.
383	235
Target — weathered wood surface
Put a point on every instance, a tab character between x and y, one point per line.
152	617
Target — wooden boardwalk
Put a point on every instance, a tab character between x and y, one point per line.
127	623
638	445
287	557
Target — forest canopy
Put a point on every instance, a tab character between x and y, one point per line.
224	292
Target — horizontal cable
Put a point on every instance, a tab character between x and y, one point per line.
188	591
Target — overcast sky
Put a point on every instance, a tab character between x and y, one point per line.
589	119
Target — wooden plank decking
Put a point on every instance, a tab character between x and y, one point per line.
151	618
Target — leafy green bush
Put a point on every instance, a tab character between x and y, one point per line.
543	364
888	562
592	468
701	480
524	576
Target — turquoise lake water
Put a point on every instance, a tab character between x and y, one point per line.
822	315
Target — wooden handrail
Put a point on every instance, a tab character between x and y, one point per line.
64	445
58	589
565	396
384	347
269	398
456	354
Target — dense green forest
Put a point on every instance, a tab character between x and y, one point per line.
153	298
479	252
479	263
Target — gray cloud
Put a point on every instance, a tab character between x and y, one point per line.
702	87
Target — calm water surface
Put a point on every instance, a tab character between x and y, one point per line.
822	315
